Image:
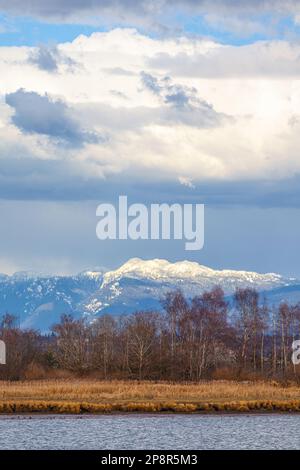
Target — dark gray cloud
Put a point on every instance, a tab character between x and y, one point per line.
48	58
182	103
151	83
29	178
126	10
65	10
36	114
174	94
240	6
45	58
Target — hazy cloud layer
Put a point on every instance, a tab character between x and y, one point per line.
272	59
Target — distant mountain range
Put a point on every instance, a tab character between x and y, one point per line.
38	300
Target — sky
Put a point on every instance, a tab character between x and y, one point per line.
182	101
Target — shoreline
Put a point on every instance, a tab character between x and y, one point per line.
22	408
55	416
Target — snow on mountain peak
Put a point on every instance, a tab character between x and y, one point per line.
93	274
163	270
39	300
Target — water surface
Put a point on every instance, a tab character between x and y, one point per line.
194	432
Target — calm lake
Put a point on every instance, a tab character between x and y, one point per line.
180	432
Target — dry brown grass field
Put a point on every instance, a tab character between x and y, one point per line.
77	396
123	391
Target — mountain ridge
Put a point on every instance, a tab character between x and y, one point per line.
39	299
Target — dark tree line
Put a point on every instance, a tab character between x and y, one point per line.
202	338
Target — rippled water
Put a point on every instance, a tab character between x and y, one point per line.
151	432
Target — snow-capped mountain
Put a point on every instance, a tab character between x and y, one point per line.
163	271
140	284
38	300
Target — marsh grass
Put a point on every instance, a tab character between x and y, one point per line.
93	396
80	408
